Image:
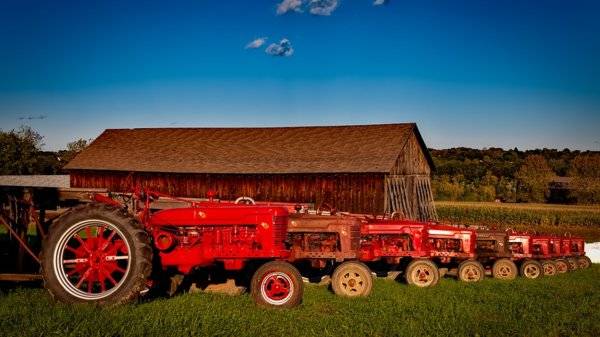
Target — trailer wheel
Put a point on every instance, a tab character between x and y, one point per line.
572	262
96	254
352	279
561	266
422	273
584	262
471	271
531	269
504	269
277	284
549	268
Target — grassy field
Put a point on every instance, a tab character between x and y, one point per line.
564	305
578	220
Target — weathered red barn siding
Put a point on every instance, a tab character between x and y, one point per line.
352	192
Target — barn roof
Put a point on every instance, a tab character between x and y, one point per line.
268	150
53	181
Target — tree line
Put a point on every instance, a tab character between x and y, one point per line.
461	174
21	153
465	174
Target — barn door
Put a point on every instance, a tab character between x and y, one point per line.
410	196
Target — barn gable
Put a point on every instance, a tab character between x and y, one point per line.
349	167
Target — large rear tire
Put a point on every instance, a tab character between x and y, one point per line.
422	273
97	254
531	269
277	284
504	269
471	271
352	279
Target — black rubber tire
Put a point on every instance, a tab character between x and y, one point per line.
471	271
422	273
504	269
277	267
531	269
352	279
561	266
584	262
549	267
572	262
140	261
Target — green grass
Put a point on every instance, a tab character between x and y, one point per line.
558	219
558	306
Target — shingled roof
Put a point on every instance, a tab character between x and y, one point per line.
277	150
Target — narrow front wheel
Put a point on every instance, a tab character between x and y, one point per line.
584	262
531	269
572	262
422	273
504	269
277	284
549	268
561	266
352	279
471	271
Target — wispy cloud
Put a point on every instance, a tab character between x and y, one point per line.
315	7
281	48
289	5
322	7
256	43
380	2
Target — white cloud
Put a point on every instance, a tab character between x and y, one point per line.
322	7
289	5
315	7
256	43
281	48
379	2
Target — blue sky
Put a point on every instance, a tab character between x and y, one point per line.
470	73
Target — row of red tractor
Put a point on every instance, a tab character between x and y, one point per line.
108	252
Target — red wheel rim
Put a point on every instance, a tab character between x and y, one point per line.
276	288
92	259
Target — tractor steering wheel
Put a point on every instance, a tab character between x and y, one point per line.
244	201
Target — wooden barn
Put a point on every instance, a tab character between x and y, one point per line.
362	168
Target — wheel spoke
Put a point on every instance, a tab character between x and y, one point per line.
116	257
76	261
108	241
83	278
81	242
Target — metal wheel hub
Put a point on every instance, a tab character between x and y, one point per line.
277	288
532	271
352	283
91	259
423	275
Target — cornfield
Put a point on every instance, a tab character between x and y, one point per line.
577	220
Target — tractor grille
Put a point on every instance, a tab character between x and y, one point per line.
355	237
280	230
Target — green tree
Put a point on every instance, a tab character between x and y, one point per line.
533	176
585	170
19	150
73	148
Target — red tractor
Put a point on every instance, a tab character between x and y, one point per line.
521	246
578	252
104	254
455	248
399	245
